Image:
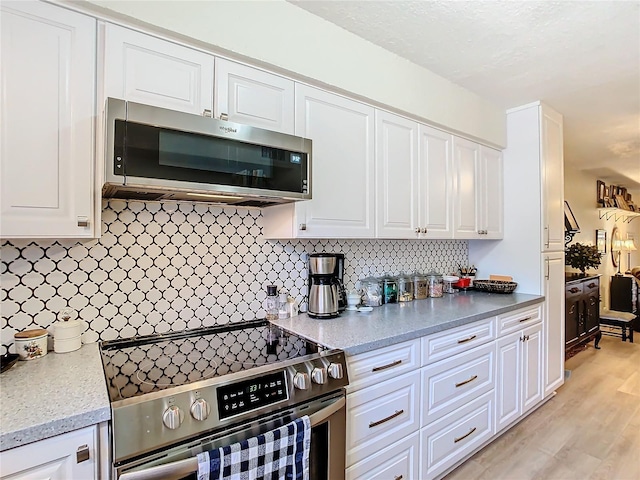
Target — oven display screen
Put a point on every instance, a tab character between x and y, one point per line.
248	395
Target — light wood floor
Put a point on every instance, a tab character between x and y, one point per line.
589	430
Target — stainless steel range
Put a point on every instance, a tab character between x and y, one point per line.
176	395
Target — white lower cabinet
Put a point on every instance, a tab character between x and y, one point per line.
399	461
382	414
519	357
450	439
456	390
450	384
72	455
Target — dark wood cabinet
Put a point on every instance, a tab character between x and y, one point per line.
582	310
624	296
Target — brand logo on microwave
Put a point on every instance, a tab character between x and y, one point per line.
228	129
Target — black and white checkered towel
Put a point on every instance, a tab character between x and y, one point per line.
279	454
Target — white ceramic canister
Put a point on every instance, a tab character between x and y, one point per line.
67	335
31	344
67	344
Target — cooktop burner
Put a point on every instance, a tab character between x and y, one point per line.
152	363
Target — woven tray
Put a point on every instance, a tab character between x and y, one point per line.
494	286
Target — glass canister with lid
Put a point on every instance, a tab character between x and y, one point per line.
389	289
372	294
434	284
420	290
405	287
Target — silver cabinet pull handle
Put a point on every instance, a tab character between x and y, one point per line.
207	113
82	454
456	440
390	417
466	381
83	221
303	226
465	340
384	367
525	319
399	477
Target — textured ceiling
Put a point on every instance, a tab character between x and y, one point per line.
580	57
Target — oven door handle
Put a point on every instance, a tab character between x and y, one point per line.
190	465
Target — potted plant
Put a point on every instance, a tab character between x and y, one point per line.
582	257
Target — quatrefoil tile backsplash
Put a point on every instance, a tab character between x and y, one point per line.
166	266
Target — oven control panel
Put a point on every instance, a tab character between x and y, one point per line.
247	395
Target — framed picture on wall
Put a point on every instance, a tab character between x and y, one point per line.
601	241
621	202
601	192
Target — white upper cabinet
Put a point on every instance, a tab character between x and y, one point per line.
146	69
436	183
396	176
478	204
466	158
254	97
342	187
491	191
47	133
552	168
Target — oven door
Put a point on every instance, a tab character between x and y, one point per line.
326	459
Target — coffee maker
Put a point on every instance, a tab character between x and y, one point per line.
327	297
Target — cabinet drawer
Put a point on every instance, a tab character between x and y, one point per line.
449	384
449	440
382	364
400	460
591	285
572	291
381	415
457	340
514	321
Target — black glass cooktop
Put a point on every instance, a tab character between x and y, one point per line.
152	363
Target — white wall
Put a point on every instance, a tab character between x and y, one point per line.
282	35
580	192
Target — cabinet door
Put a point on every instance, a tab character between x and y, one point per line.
554	322
48	103
254	97
552	169
342	187
396	176
436	183
55	458
531	367
466	158
146	69
508	380
491	187
573	312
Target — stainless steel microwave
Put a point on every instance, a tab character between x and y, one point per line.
157	154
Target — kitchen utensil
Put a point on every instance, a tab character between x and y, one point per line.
495	286
31	344
7	361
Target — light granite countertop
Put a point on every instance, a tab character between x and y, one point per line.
52	395
356	332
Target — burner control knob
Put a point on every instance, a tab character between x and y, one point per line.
172	417
335	370
319	375
200	409
301	381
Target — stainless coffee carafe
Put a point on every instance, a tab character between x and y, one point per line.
324	286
